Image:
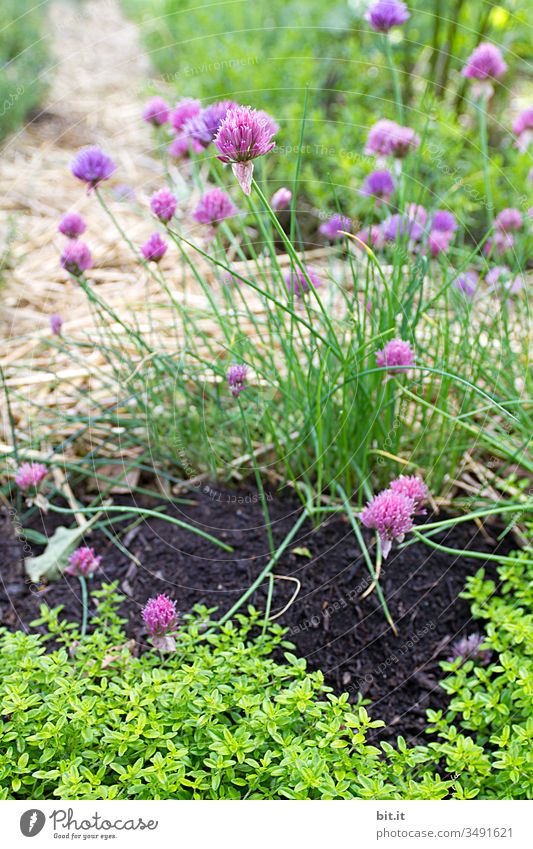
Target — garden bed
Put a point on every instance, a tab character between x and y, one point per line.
336	631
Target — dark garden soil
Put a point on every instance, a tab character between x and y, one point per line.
337	632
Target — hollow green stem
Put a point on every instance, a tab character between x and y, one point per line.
84	604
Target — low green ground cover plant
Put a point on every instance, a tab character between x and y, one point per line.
220	719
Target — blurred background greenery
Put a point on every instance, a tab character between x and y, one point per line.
23	57
265	54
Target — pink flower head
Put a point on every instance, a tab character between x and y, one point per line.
156	112
467	283
161	620
236	377
444	221
387	138
485	63
497	274
214	207
508	219
272	126
372	236
523	129
72	225
383	15
76	257
391	515
92	165
56	323
298	282
155	248
333	227
281	199
214	115
439	241
83	562
499	244
182	146
30	475
413	488
378	184
243	135
469	648
163	205
183	111
396	356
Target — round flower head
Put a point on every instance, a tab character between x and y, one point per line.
163	205
499	244
444	221
467	283
56	323
298	282
161	619
485	63
182	146
155	248
439	241
391	515
469	648
198	132
83	562
523	129
183	111
383	15
378	184
414	488
243	135
214	207
387	138
156	112
396	356
333	227
281	199
508	219
92	165
76	257
236	377
30	475
72	225
398	226
372	236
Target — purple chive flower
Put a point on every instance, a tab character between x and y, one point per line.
469	648
161	620
397	226
297	282
523	129
56	323
92	165
413	488
214	115
183	111
378	184
499	244
243	135
30	475
281	199
272	126
387	138
508	219
396	356
156	112
72	225
155	248
467	283
83	562
182	146
391	515
76	257
439	241
383	15
485	63
332	228
372	236
214	207
236	377
444	221
163	205
198	132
